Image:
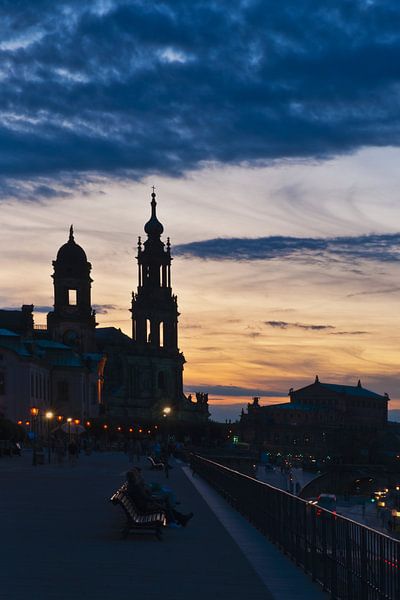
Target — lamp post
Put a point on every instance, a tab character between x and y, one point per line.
49	416
166	413
34	413
69	421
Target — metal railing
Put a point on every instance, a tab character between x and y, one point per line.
349	560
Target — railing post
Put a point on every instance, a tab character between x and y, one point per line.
324	551
306	510
363	562
333	585
349	571
383	567
313	544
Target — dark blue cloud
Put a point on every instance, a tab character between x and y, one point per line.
384	247
128	88
232	390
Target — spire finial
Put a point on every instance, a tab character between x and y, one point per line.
71	233
359	383
153	202
316	379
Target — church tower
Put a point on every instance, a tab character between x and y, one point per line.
154	307
73	321
155	321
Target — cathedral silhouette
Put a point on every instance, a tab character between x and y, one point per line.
76	369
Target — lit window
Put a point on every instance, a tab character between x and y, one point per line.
72	297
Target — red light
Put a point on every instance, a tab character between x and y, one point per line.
19	422
105	426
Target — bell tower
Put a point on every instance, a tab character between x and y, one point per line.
73	321
154	307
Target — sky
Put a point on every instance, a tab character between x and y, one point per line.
271	132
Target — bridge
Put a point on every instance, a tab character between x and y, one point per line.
352	479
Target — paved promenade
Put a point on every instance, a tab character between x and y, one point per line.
60	541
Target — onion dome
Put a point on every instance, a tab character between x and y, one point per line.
153	227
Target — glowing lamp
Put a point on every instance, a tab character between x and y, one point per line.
34	411
167	410
19	422
60	418
76	421
69	420
49	415
105	426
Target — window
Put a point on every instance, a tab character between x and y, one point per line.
2	383
72	297
161	334
148	330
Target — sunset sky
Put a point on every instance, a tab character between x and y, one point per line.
271	132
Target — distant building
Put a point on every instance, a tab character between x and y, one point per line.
320	418
80	371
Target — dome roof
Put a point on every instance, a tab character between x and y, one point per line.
71	254
153	227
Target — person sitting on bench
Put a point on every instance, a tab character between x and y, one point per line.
142	497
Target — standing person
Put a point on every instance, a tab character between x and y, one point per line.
72	453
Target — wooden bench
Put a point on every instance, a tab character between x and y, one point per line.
135	519
154	465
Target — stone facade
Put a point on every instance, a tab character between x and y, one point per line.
321	419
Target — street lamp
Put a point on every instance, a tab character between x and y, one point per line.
49	416
34	413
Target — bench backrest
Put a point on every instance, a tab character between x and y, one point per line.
138	517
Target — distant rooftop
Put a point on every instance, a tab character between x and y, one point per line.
351	390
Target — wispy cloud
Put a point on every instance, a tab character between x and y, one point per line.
104	309
383	247
349	333
307	327
191	83
233	390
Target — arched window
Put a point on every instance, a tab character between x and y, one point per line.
148	330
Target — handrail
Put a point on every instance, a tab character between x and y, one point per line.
350	560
